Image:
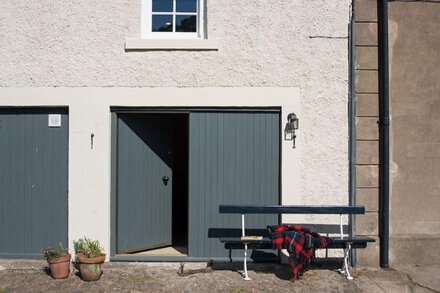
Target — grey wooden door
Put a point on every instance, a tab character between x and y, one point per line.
233	159
33	181
144	195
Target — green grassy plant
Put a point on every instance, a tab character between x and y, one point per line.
53	253
89	248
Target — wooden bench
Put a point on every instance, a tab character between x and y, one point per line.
340	242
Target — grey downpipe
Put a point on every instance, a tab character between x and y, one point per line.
352	128
384	123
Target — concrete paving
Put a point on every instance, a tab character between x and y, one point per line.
424	276
32	276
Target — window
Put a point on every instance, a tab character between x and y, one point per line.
172	19
173	25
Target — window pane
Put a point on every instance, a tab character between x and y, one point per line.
162	23
186	23
162	5
186	5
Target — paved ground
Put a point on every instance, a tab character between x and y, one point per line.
31	276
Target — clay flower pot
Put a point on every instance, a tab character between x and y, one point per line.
60	267
90	268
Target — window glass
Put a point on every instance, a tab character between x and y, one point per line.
162	5
186	5
162	23
172	18
186	23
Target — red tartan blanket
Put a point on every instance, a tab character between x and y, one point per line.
299	242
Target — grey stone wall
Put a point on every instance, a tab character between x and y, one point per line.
414	52
367	135
415	132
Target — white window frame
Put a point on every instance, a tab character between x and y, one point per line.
147	17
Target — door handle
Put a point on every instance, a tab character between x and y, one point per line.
165	180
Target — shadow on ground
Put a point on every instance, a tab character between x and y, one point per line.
280	270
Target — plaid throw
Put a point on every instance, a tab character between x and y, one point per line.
299	242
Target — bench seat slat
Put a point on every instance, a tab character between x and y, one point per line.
343	245
238	240
353	239
278	209
359	245
250	246
266	243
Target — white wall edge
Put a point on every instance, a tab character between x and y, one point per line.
150	96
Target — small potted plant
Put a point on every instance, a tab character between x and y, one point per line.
58	260
90	256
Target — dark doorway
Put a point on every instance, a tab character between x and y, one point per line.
180	182
152	189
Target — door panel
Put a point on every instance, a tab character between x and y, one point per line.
144	199
233	159
33	181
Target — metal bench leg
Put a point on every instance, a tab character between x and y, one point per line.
345	270
243	233
347	254
245	275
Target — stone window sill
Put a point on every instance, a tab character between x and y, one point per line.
168	44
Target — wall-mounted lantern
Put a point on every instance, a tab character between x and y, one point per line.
291	125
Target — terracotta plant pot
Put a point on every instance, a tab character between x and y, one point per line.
60	267
90	268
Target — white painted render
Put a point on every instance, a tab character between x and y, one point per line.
73	53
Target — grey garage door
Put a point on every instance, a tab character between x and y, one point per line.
144	199
233	159
33	180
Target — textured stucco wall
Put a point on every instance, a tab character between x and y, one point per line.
261	43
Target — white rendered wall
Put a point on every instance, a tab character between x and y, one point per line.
261	43
89	112
281	43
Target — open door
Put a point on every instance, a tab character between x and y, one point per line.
144	202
